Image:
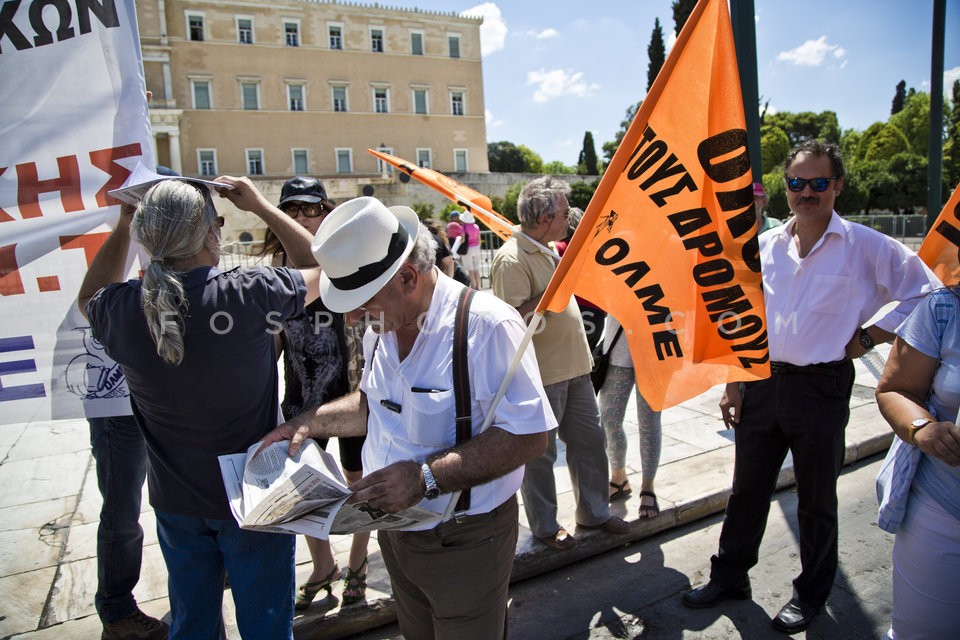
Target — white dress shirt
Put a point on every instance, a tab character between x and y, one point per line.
815	304
425	423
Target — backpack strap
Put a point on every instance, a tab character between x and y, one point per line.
461	386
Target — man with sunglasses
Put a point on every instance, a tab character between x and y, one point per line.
823	278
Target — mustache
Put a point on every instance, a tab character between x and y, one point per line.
808	200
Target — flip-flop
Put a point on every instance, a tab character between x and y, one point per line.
622	491
648	511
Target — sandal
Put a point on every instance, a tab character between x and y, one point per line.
649	511
622	490
309	590
355	585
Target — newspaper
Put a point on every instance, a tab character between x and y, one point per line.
305	494
141	179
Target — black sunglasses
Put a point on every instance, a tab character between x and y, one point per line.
817	184
311	210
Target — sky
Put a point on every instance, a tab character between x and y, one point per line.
555	69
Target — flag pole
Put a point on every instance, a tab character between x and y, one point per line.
512	369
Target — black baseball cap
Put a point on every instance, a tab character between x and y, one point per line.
302	189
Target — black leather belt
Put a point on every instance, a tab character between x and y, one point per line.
821	368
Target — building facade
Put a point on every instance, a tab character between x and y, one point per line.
280	88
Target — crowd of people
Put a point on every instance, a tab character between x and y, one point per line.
387	345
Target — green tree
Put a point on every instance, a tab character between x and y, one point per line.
587	164
532	162
899	97
911	192
805	125
507	205
423	210
610	147
581	192
447	209
681	11
774	147
504	157
914	121
557	168
887	142
951	148
776	189
656	52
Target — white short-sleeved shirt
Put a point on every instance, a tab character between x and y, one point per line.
425	423
816	303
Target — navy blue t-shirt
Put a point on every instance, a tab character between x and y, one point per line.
222	397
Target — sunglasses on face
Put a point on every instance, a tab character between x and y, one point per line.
817	184
307	210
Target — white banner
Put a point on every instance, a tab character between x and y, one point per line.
73	124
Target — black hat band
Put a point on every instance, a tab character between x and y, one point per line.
370	272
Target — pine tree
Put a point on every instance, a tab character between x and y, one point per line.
587	165
681	11
899	98
656	52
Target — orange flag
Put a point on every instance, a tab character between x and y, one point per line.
939	248
469	199
668	244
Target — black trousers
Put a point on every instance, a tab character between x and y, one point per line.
804	411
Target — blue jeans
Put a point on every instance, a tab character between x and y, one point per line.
199	551
121	459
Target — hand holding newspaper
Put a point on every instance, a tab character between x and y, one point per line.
304	494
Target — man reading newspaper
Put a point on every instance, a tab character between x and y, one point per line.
449	578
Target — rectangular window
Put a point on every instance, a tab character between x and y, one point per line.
245	30
416	43
336	36
460	160
376	40
380	102
454	42
207	162
456	103
344	161
201	94
295	97
195	27
384	168
339	98
419	100
301	165
255	162
250	92
291	31
424	158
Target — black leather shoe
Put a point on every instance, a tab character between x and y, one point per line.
712	593
795	616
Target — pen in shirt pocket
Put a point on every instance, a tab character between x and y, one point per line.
427	390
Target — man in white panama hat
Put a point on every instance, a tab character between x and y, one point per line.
449	580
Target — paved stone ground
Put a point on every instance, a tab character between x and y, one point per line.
49	508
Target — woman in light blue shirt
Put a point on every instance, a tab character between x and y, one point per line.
919	395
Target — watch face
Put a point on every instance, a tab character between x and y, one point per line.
866	341
432	494
920	423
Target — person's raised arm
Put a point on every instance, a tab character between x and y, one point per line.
293	237
901	396
107	265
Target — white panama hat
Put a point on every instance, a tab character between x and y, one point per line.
359	246
467	217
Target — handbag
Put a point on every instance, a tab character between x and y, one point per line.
893	483
601	362
464	245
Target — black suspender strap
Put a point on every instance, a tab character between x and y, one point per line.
461	386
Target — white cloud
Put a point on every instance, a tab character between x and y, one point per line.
558	82
671	40
491	122
812	53
549	32
493	31
949	77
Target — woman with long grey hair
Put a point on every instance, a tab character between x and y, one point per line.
197	348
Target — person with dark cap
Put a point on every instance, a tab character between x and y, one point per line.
320	351
449	579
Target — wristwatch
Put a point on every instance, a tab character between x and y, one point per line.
866	341
433	491
915	426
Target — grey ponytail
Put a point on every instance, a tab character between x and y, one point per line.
172	223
